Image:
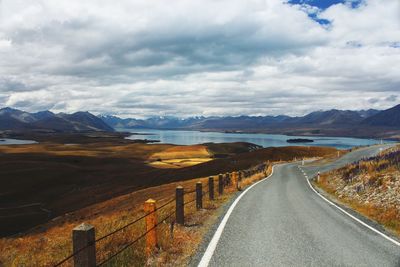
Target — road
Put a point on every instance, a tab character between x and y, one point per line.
282	222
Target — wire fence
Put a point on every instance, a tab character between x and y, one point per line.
135	241
224	180
113	232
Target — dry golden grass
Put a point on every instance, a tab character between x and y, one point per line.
178	163
180	157
181	152
51	242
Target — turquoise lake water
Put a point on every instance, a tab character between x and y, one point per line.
265	140
8	141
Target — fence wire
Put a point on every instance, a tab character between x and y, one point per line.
112	233
135	241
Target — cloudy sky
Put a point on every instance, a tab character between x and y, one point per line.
138	58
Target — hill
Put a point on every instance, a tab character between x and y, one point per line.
386	118
330	117
46	121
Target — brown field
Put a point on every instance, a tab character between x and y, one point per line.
55	187
42	181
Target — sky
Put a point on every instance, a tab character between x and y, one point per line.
135	58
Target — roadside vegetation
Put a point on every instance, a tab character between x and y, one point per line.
371	186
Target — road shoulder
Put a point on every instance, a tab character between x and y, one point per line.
377	226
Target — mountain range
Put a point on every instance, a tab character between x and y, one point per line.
330	118
362	123
47	121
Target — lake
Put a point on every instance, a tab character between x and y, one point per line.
265	140
8	141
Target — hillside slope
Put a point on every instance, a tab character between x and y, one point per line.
388	118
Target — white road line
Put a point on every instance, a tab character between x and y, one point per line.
205	260
354	218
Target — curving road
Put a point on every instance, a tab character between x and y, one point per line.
282	222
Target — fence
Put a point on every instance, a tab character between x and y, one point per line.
83	236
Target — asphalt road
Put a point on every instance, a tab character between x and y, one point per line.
282	222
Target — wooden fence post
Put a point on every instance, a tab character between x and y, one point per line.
84	236
240	177
220	184
199	195
227	179
211	188
235	180
180	213
151	221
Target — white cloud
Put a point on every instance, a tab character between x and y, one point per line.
141	58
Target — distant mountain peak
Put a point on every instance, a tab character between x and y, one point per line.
17	120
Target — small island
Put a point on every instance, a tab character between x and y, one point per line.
299	140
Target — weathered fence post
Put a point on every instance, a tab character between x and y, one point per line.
151	221
199	195
235	180
211	188
83	240
180	214
220	184
240	177
227	179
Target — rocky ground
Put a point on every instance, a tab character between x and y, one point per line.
371	186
